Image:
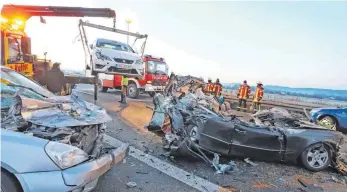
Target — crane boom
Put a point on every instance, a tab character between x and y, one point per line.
27	11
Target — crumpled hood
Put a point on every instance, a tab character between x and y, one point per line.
119	54
62	111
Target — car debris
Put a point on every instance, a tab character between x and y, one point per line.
195	126
68	120
250	162
131	184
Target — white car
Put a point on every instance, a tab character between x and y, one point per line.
113	57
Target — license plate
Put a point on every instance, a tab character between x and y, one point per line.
124	66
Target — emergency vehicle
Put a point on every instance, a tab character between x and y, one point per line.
155	78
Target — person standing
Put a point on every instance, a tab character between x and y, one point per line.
209	87
125	80
171	87
243	94
217	88
258	96
55	80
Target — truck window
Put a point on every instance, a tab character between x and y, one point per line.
14	48
157	67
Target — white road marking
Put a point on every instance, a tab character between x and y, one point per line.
172	171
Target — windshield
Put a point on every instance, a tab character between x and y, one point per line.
14	49
114	45
157	67
19	79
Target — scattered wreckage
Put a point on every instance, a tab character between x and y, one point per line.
195	126
61	138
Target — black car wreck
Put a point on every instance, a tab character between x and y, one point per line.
194	130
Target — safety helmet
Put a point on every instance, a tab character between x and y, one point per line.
245	81
259	83
217	80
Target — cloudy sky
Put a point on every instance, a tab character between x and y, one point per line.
296	44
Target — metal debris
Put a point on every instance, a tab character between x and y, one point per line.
131	184
250	162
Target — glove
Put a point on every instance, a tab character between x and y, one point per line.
247	97
238	95
260	98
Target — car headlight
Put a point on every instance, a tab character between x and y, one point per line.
102	57
315	110
138	62
65	156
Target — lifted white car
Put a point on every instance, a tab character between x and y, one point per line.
114	56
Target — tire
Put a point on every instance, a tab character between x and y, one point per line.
316	157
9	183
152	93
328	122
101	88
132	91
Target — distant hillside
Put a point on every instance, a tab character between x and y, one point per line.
339	95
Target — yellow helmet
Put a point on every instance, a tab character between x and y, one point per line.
259	83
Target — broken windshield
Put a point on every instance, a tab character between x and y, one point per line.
18	79
157	67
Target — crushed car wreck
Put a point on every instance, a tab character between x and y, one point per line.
62	135
193	127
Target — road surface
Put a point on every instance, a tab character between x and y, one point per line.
152	170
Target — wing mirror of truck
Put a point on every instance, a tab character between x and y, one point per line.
91	46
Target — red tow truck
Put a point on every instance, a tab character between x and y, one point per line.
155	77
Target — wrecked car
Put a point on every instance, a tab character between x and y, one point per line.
196	131
51	143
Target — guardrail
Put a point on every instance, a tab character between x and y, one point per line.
290	106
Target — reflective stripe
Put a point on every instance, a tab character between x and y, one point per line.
125	81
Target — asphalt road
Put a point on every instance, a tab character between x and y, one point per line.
265	176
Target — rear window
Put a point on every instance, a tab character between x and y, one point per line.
114	45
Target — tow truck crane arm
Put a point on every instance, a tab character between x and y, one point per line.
24	12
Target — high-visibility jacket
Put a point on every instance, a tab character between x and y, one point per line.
244	91
125	81
209	88
217	88
258	95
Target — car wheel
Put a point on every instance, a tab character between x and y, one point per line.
132	91
152	93
316	157
101	88
9	183
328	122
192	131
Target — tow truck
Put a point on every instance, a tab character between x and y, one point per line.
16	45
154	78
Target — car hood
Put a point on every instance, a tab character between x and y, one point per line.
62	111
119	54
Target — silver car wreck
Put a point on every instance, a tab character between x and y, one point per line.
51	143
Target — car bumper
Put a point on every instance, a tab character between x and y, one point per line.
82	177
149	88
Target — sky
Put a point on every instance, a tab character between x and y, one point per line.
295	44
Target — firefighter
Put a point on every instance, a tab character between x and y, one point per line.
258	96
243	95
124	89
217	88
55	80
209	87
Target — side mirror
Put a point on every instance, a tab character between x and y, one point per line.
91	46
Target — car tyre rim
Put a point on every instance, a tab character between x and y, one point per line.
327	122
317	157
193	134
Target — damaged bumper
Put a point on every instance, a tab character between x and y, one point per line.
82	177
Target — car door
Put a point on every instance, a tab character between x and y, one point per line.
342	118
257	142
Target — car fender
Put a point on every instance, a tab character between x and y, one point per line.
21	153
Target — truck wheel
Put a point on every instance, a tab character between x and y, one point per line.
133	91
101	88
328	122
152	93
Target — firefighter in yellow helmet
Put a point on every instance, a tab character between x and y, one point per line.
209	87
258	96
124	84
